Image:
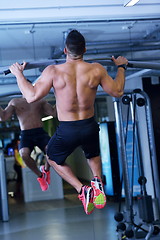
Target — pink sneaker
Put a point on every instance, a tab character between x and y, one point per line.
43	183
47	174
87	199
99	198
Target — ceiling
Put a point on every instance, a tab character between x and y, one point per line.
35	31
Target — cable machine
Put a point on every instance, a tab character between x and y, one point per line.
129	109
4	212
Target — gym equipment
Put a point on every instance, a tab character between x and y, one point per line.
3	189
148	206
107	61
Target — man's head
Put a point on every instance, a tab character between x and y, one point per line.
75	44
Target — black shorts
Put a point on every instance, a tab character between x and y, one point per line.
34	137
71	134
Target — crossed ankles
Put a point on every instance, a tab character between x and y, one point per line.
48	177
93	196
44	181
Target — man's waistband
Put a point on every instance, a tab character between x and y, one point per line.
32	131
77	122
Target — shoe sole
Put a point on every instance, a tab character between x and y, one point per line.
90	206
99	201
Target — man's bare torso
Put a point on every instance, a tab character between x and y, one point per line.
75	84
28	114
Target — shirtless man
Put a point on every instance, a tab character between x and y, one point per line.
75	85
32	133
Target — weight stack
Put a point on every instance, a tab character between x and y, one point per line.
145	207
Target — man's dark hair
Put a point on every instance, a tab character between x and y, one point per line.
75	43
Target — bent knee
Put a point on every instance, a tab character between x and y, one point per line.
24	154
57	161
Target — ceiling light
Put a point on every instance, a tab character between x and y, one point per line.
130	3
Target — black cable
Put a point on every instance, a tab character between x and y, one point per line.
121	181
133	146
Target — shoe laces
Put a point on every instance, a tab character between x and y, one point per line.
97	184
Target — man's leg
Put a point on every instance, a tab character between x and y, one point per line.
46	166
99	198
42	144
85	192
46	169
95	166
67	174
30	163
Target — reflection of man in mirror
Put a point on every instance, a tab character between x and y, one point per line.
32	132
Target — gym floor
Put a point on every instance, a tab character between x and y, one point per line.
59	220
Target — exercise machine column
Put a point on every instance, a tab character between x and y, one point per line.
4	213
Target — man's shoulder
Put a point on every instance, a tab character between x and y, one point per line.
92	65
96	64
15	101
50	67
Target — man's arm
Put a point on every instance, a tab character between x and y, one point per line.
114	87
40	89
6	113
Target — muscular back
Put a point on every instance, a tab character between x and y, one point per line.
75	84
28	114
